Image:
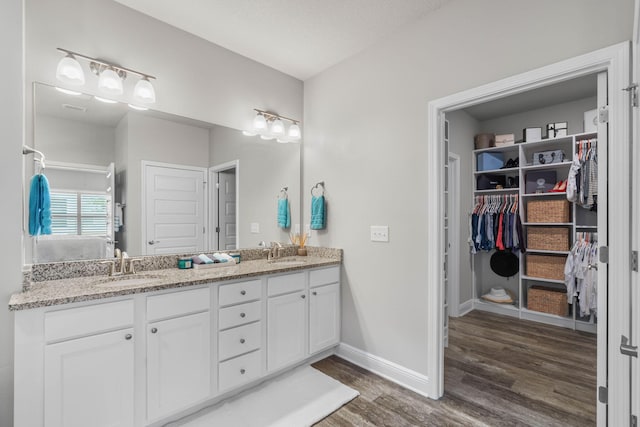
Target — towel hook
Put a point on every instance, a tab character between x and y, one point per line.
320	185
283	192
28	150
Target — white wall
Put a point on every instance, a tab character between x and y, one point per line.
366	131
11	134
265	167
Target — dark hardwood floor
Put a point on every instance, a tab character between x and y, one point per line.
499	371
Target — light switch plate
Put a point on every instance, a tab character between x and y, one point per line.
379	233
255	227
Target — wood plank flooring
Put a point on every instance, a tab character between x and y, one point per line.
499	371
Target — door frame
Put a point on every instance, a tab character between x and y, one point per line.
213	201
635	290
143	196
454	235
615	60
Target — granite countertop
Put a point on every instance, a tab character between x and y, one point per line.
65	291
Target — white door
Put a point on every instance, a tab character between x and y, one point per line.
453	244
324	317
226	192
174	209
286	330
178	364
111	194
89	381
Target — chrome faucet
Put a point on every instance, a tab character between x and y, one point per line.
273	251
122	258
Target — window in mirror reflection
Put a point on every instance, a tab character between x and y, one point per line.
80	214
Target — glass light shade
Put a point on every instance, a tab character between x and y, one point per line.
248	133
69	71
267	137
259	123
137	107
144	92
105	100
282	140
277	128
67	91
294	132
110	82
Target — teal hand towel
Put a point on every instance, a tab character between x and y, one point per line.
318	213
284	216
39	206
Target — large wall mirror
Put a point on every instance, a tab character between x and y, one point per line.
148	182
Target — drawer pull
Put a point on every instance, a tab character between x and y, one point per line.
128	337
154	330
315	293
243	292
242	341
303	296
242	371
242	315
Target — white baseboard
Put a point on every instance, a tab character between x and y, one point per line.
465	307
400	375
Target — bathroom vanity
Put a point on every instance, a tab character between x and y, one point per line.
87	354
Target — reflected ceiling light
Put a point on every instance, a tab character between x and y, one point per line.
69	70
110	76
105	100
67	91
271	126
136	107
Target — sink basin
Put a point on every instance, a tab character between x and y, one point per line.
288	261
126	281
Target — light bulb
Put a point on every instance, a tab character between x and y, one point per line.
277	128
144	91
110	82
294	132
69	71
259	123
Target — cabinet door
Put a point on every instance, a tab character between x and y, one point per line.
178	364
286	330
89	381
324	317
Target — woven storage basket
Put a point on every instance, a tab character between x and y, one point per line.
548	211
547	300
548	238
546	266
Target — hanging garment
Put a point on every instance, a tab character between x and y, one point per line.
580	278
495	224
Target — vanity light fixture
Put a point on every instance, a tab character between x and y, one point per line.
271	126
67	91
110	76
105	100
137	107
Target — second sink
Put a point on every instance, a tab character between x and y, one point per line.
126	281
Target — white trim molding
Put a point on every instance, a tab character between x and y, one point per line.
398	374
465	307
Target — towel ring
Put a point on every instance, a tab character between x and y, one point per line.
283	193
318	185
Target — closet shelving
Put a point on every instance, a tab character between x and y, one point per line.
581	220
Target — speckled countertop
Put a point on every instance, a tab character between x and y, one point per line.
69	290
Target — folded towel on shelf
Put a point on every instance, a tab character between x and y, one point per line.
205	259
218	257
284	215
318	213
39	206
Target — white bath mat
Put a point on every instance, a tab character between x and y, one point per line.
301	397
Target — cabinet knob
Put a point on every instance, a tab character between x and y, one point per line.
315	293
128	337
243	292
242	371
303	296
154	330
241	340
242	315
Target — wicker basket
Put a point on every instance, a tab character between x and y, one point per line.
546	266
548	211
548	238
547	300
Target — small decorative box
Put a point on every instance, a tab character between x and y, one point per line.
532	134
506	139
557	130
547	157
490	161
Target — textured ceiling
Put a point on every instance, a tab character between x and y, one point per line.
298	37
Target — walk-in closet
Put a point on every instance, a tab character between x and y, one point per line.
524	186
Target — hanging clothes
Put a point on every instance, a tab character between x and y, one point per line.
582	186
495	224
580	276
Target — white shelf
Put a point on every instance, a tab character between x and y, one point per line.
497	190
564	193
544	251
494	307
494	171
529	224
549	142
587	227
564	164
504	148
541	279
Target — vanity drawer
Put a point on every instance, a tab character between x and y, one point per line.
239	314
87	320
177	304
288	283
240	370
242	339
240	292
324	276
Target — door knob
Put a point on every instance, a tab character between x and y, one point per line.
154	330
242	341
128	337
303	296
153	242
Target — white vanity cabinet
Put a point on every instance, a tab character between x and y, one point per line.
88	372
324	309
178	351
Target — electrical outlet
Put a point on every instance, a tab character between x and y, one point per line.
255	227
379	233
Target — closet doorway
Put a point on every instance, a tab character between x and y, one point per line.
610	225
224	206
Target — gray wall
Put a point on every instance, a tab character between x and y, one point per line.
265	167
366	132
